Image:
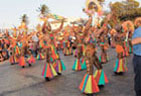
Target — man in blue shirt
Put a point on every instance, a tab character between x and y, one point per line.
136	42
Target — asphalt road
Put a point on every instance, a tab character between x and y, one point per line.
15	81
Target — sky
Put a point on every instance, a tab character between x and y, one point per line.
12	10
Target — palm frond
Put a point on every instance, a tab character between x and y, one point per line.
24	18
44	9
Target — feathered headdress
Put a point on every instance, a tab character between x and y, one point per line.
128	26
93	6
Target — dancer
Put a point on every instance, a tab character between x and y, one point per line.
48	70
89	84
30	58
120	65
79	64
104	57
59	65
22	61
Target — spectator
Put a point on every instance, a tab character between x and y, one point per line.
136	42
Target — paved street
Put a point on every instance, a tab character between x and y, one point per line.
15	81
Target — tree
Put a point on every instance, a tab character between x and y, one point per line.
126	10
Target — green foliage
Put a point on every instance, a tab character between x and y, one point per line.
126	10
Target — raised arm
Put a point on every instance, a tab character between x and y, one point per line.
60	28
88	25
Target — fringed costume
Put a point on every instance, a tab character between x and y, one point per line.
120	64
78	64
100	77
48	70
31	60
130	47
22	61
104	57
59	66
126	48
67	48
13	57
40	56
89	84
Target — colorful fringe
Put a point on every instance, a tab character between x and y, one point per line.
103	59
126	49
89	85
77	66
130	49
51	59
31	59
120	65
59	66
67	51
54	52
54	55
22	61
13	60
17	50
83	62
100	77
49	71
40	56
75	53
